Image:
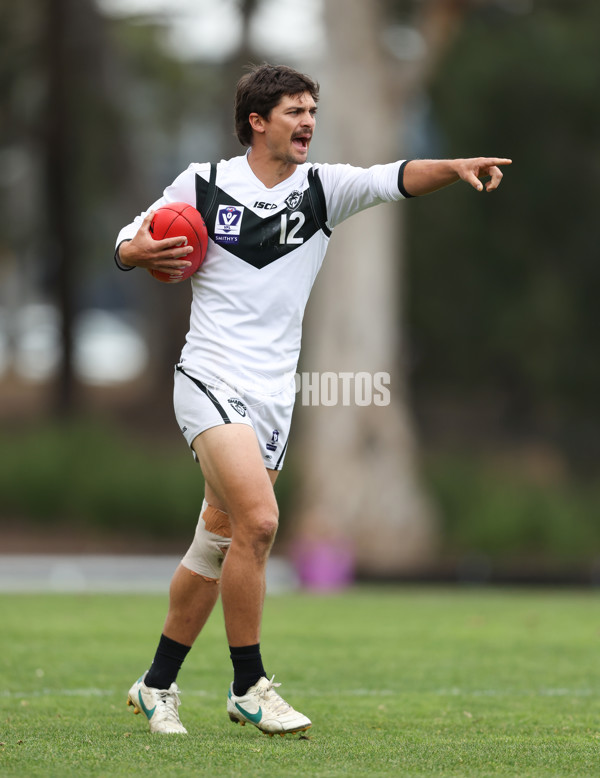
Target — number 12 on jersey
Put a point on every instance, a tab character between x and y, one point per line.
290	226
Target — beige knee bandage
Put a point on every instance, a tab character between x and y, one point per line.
211	540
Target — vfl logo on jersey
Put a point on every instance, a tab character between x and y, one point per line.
272	445
237	405
228	224
294	199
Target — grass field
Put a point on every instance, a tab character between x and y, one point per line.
398	682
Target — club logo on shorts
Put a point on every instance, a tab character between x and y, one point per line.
237	405
228	224
272	445
294	199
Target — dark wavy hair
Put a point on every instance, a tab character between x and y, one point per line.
261	89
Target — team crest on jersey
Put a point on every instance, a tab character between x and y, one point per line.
228	224
237	405
294	199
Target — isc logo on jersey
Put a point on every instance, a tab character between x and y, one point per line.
228	224
265	206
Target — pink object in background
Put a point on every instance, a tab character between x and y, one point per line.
324	564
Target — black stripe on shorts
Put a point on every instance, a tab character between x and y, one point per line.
278	465
208	393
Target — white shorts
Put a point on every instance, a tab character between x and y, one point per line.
199	407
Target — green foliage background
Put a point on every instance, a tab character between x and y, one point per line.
503	289
501	322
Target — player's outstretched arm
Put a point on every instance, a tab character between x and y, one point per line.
422	176
167	256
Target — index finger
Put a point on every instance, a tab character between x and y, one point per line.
171	243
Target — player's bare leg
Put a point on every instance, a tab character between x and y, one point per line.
191	600
238	484
155	694
241	487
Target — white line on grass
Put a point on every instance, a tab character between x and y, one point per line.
454	692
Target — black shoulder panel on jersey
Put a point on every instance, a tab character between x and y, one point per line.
261	240
206	192
317	195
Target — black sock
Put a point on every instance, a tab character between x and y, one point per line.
247	667
167	663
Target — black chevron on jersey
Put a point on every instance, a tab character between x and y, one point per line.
263	239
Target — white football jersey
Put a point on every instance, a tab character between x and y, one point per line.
265	249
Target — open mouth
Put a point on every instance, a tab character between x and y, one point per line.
301	142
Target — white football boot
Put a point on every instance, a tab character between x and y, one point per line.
158	705
264	708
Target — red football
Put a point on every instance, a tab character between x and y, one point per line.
181	219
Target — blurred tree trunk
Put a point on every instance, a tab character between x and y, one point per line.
82	142
359	463
85	149
60	217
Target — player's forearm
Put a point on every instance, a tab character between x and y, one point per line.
422	176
